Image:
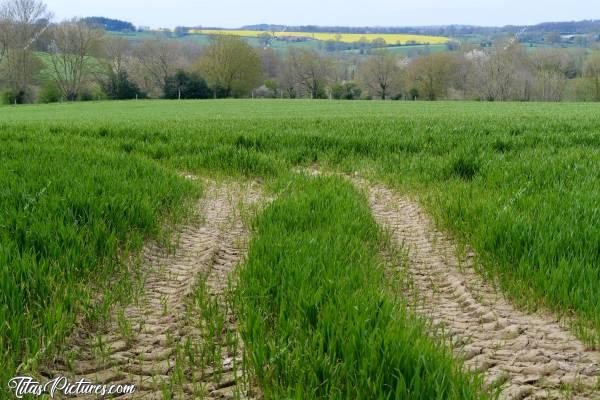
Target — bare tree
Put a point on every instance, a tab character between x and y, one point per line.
286	77
311	70
379	74
501	73
74	43
592	72
550	71
4	31
270	63
159	58
189	52
19	29
117	52
139	75
23	17
115	61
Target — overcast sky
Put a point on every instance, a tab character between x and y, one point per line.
235	13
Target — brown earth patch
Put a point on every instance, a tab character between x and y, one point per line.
179	339
526	355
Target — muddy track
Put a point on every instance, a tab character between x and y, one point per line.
529	356
179	339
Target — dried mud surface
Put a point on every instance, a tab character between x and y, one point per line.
528	356
179	339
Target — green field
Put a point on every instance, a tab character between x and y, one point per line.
281	46
204	40
81	185
409	51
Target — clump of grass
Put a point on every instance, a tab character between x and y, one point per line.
315	316
69	217
502	146
465	167
516	131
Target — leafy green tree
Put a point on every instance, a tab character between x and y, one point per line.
413	94
108	24
273	86
10	96
265	39
50	93
379	74
185	85
231	63
346	91
432	74
378	43
119	87
363	45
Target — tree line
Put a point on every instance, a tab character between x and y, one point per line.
41	61
567	27
110	24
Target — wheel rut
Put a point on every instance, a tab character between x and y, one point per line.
179	339
527	356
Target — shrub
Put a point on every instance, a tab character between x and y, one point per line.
50	93
119	87
413	94
93	93
346	91
12	97
186	85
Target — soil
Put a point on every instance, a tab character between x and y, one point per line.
164	343
526	355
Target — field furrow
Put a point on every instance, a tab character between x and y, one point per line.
528	356
179	340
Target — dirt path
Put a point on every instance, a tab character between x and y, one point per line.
529	355
180	339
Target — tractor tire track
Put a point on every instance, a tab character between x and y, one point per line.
528	356
161	343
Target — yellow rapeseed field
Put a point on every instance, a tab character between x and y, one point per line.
390	39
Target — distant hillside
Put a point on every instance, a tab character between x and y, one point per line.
113	25
424	30
571	27
566	28
580	27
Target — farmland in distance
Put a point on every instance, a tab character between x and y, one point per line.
390	39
